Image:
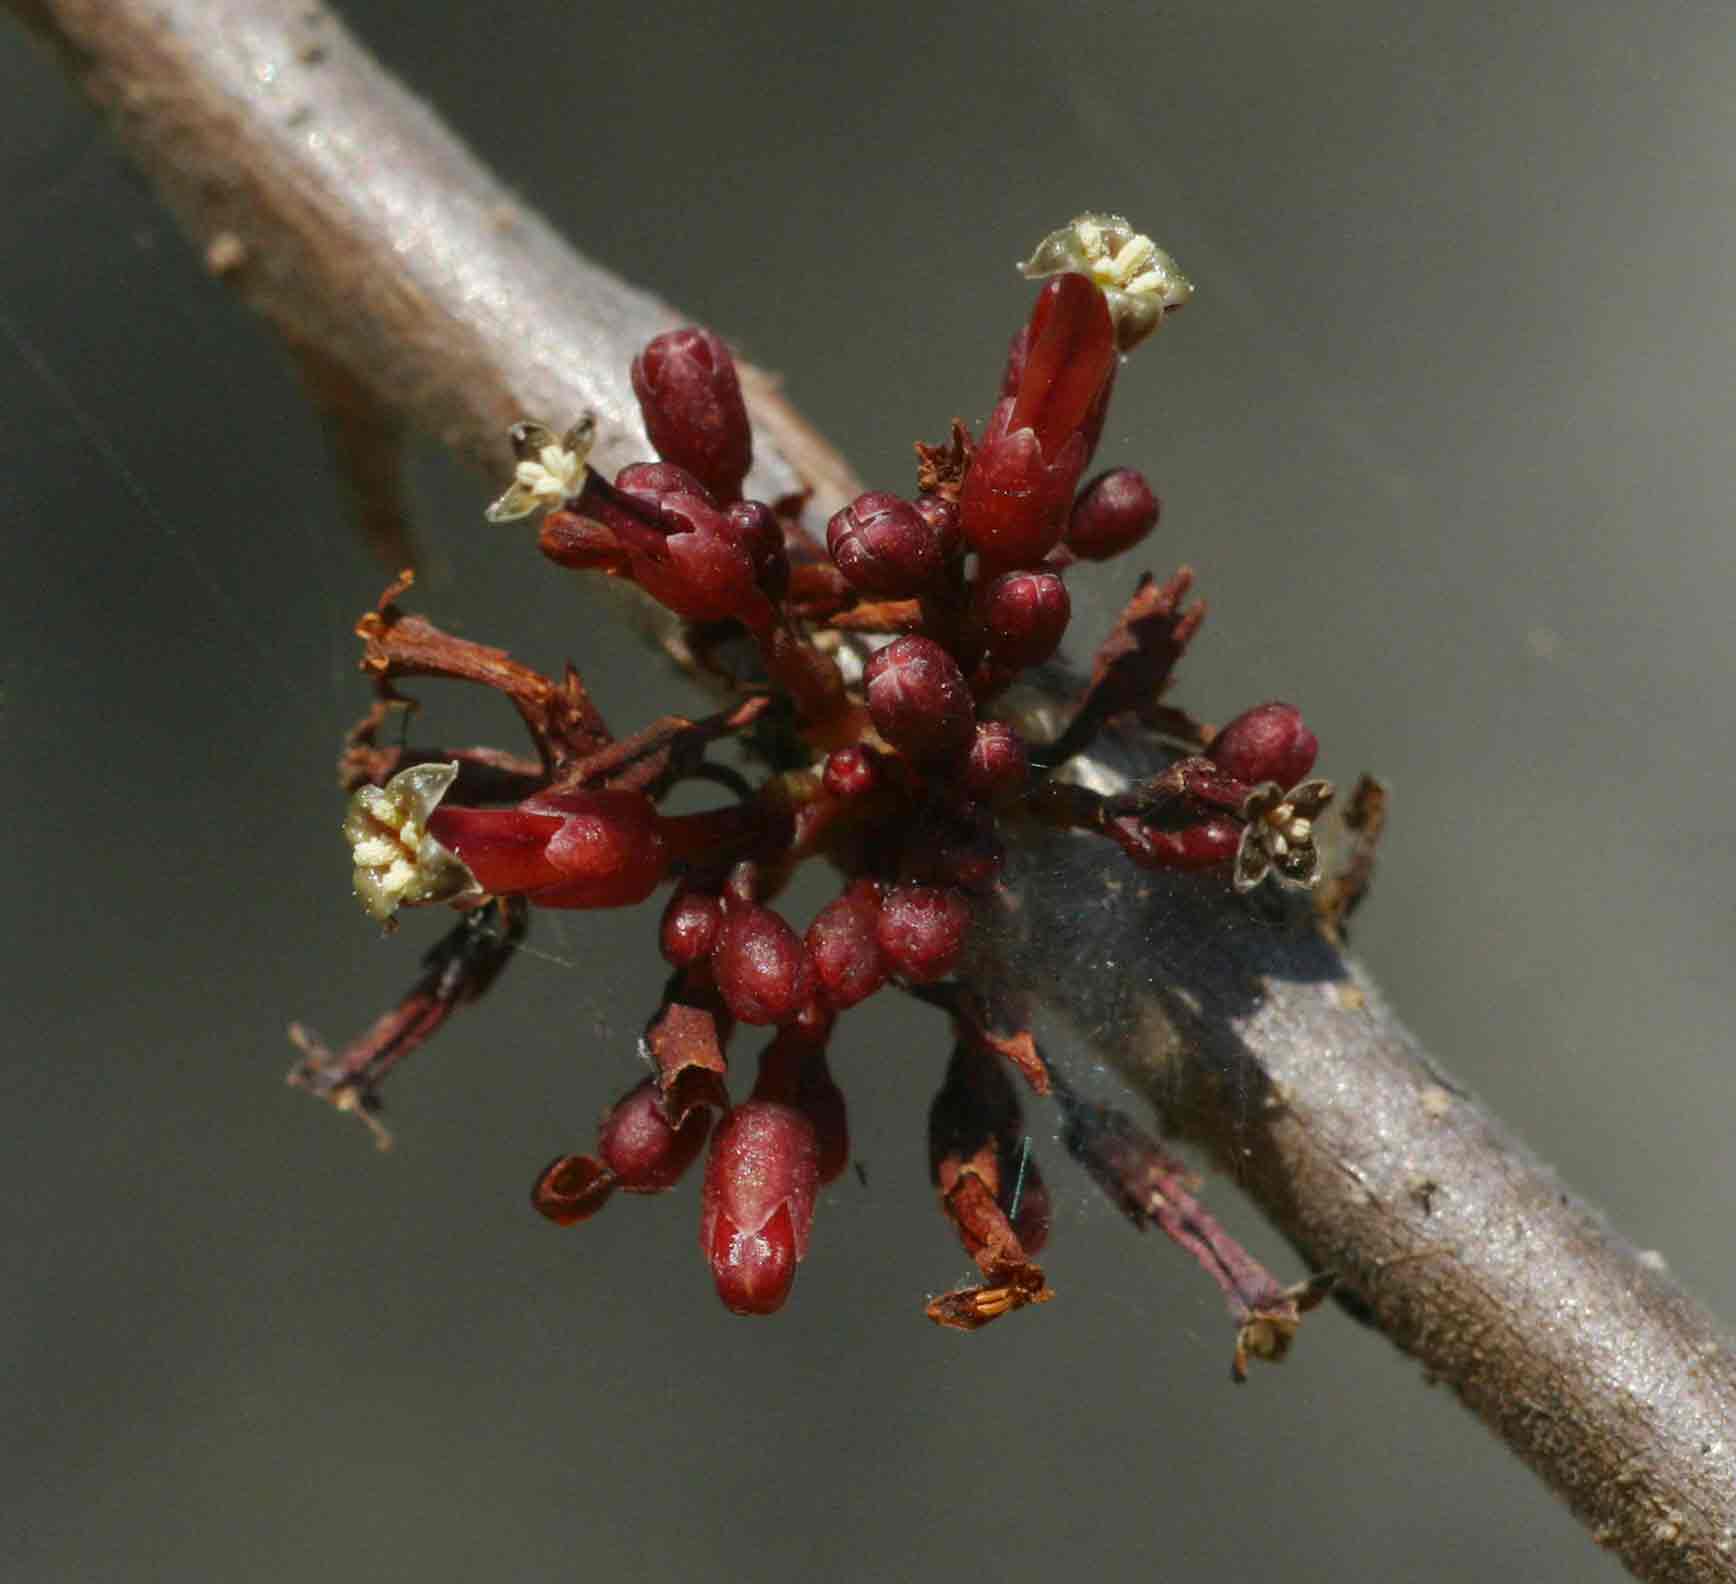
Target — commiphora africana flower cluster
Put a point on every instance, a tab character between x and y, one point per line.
877	713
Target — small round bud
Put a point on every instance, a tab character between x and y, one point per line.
844	945
850	772
760	965
1024	616
690	927
921	931
691	400
883	545
998	764
1112	514
1266	743
639	1146
918	699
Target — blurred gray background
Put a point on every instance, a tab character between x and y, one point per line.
1445	433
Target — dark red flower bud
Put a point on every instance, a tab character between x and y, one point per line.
941	515
844	945
884	546
1068	356
577	849
651	482
851	772
639	1146
918	699
921	931
998	764
1023	615
761	967
691	399
757	528
1266	743
757	1205
702	570
1013	508
689	930
1113	513
572	1188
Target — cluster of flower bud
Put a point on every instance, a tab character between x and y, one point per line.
908	770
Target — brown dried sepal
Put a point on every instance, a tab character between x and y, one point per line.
560	717
1135	663
941	469
691	1070
972	1020
896	616
485	775
1342	891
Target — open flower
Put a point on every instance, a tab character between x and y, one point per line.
397	862
1279	836
1140	280
549	470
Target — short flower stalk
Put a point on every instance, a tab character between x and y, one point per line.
899	770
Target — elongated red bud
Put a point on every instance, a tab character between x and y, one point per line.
1013	508
757	1205
577	849
691	399
1068	357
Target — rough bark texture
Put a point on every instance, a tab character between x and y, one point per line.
342	209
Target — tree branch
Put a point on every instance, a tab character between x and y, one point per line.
378	246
